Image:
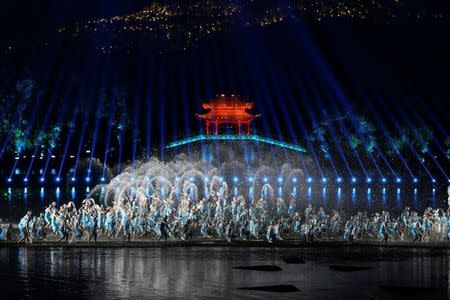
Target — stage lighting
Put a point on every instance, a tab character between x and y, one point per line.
369	180
235	179
294	179
88	179
206	179
250	179
265	179
42	179
309	180
280	179
25	179
384	180
191	178
433	180
339	179
415	180
353	179
73	179
102	179
324	179
9	179
58	179
399	180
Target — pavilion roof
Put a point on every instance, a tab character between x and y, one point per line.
228	108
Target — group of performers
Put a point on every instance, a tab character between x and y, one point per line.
224	217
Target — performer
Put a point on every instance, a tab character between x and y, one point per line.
164	228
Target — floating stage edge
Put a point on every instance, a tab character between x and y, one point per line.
232	137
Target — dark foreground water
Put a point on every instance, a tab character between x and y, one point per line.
208	273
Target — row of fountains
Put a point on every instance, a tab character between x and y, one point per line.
180	177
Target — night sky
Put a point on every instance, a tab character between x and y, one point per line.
299	71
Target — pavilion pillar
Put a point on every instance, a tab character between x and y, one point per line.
248	128
217	127
207	127
239	127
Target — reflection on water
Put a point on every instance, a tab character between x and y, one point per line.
349	198
204	273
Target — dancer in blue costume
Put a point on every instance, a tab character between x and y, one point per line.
75	225
64	229
110	223
24	230
94	228
48	214
126	226
4	232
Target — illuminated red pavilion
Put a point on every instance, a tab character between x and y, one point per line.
227	111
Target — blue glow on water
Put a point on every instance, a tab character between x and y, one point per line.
398	198
415	199
433	198
354	196
339	196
